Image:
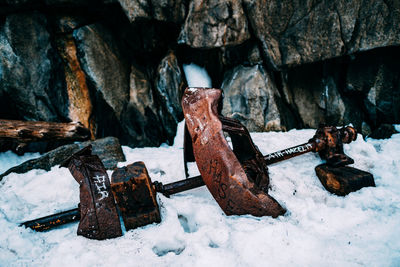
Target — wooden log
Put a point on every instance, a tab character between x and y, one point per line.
33	131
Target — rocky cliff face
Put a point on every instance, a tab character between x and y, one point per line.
116	65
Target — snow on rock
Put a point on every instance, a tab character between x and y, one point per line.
319	229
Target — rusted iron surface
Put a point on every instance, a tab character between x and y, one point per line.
221	170
99	217
288	153
343	180
328	142
178	186
135	195
51	221
247	152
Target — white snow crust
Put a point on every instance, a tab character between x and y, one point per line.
319	229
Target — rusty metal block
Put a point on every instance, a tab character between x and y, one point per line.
99	217
135	195
343	180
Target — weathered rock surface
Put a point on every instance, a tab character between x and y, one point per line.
383	132
65	24
14	6
373	77
169	86
107	73
251	97
115	65
166	10
298	32
214	23
314	91
247	54
80	105
105	65
32	85
140	119
126	102
108	149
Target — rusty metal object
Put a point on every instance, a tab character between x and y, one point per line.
343	180
135	195
328	142
178	186
247	152
51	221
220	168
99	217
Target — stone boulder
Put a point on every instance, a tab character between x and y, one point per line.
373	77
126	102
214	23
108	149
298	32
169	86
247	54
166	10
250	96
107	74
15	6
314	91
139	118
32	83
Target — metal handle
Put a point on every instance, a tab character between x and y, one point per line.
51	221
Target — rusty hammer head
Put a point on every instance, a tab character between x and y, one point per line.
98	213
135	195
329	141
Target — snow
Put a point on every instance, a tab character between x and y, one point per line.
318	229
9	159
196	76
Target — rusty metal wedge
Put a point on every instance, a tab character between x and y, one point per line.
220	168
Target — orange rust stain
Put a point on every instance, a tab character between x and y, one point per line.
80	105
332	182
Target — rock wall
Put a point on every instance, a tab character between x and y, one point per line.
116	65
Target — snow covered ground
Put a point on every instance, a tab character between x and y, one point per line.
319	229
361	229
